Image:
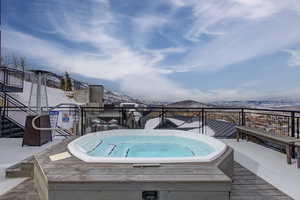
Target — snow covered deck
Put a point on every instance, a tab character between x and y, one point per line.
255	166
268	164
12	152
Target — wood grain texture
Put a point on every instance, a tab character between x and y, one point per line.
246	186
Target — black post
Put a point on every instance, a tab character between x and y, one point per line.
82	128
202	118
132	120
199	118
122	117
5	112
293	124
162	116
293	132
298	128
243	117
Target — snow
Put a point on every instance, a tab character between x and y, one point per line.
268	164
55	96
176	121
12	152
191	124
207	131
152	123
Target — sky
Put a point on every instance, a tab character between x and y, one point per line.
163	50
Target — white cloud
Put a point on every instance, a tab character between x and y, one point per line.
249	40
209	14
147	23
294	60
138	70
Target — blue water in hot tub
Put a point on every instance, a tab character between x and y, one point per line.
141	146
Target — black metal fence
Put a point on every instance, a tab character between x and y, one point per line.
11	79
281	122
221	121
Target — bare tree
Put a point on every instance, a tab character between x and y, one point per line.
13	61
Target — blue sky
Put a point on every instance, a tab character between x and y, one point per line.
167	50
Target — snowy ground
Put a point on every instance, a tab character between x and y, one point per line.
268	164
12	152
153	123
208	131
55	97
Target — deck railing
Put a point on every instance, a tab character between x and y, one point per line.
201	120
276	121
11	79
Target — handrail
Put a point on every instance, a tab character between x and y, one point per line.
15	101
53	108
8	72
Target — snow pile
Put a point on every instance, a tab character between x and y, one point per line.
152	123
55	96
191	124
177	122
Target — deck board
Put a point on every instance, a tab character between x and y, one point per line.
246	186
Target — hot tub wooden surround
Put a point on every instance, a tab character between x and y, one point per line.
74	179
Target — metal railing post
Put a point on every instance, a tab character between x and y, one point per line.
293	124
81	120
162	116
202	120
199	118
123	116
298	128
243	117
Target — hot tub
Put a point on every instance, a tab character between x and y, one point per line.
146	146
137	165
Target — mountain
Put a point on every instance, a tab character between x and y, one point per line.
116	98
276	104
189	103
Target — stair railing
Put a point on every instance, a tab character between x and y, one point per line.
58	129
11	105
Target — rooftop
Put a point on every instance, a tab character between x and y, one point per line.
253	171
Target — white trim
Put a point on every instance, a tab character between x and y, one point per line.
74	146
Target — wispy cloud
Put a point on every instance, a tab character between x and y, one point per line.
89	38
248	40
294	60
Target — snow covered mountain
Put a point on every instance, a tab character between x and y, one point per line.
282	104
189	103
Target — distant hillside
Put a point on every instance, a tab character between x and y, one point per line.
189	103
110	97
279	104
116	98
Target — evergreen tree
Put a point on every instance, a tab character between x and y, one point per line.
66	83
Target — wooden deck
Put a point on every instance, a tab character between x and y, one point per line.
246	186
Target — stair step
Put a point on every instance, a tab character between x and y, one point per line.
16	135
11	130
